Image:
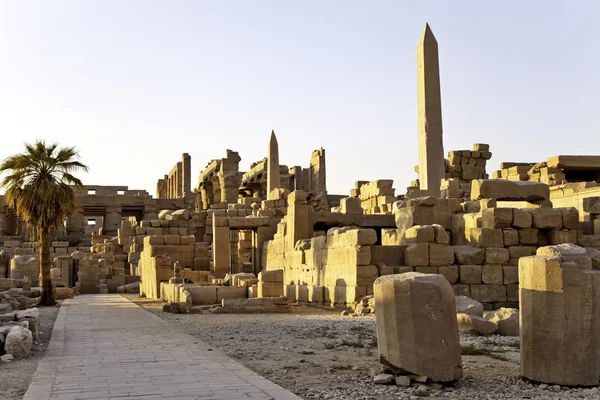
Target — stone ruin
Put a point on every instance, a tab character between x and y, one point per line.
457	251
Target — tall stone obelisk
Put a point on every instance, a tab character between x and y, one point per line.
431	145
273	180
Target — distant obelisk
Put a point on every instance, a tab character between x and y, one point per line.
431	145
273	180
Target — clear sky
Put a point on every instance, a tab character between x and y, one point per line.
134	84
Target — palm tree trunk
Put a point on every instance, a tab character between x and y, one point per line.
46	279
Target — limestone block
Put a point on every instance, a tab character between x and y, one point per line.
568	252
594	255
422	343
289	291
497	255
528	236
189	239
507	320
486	237
440	254
511	237
361	237
271	276
419	234
497	218
270	289
315	294
510	274
18	342
521	251
561	236
387	255
522	218
466	305
462	290
441	235
366	275
570	217
450	272
154	240
406	217
501	189
492	274
469	274
474	323
426	270
363	256
488	293
547	218
230	292
417	255
350	205
468	255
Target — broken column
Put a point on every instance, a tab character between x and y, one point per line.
273	180
560	317
417	331
431	146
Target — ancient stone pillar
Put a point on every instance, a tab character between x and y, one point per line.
220	247
560	318
431	146
299	224
417	331
179	180
273	179
76	224
186	173
112	221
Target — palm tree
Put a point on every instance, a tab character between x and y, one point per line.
40	185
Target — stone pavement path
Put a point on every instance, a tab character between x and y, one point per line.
106	347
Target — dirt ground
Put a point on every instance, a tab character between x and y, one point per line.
319	354
15	376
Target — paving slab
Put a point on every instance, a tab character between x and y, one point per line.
106	347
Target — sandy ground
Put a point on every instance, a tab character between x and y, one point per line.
319	354
15	376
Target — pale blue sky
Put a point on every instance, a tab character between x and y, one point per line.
133	84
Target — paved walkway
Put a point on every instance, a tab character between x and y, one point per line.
106	347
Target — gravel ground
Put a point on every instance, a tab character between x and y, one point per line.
16	375
319	354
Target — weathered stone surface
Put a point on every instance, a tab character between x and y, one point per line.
497	218
466	305
497	255
440	255
422	343
468	255
522	218
475	323
501	189
441	235
419	234
570	217
417	255
568	252
492	274
560	321
470	274
547	218
18	342
507	320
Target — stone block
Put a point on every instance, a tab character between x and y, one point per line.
417	255
270	289
450	272
468	255
474	323
421	343
426	270
507	320
497	255
466	305
440	254
154	240
501	189
510	275
561	236
315	294
528	236
511	237
462	290
568	252
441	235
497	218
547	218
419	234
469	274
559	347
570	217
492	274
488	293
486	237
522	218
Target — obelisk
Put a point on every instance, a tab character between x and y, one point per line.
431	145
273	180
